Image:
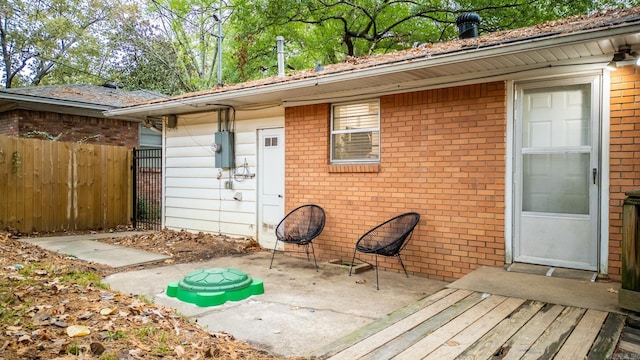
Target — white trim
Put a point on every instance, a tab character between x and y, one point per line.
558	68
604	171
599	89
509	175
164	173
333	132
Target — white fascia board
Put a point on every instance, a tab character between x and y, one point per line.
401	65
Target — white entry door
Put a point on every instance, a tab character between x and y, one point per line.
270	184
557	173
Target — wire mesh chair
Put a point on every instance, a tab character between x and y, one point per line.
300	227
387	239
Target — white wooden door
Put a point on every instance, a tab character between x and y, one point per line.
557	174
270	184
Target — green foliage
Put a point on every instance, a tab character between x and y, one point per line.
15	162
115	335
171	46
83	278
43	135
146	210
63	41
330	32
74	349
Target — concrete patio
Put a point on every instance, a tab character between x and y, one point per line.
330	314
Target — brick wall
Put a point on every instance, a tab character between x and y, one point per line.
442	155
9	124
73	127
624	155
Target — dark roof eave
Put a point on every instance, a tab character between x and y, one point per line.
49	101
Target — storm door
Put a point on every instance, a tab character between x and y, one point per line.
557	173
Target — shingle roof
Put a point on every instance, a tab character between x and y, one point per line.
580	23
88	94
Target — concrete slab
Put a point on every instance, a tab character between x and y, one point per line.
564	291
301	310
85	247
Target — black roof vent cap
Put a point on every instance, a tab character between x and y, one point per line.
468	25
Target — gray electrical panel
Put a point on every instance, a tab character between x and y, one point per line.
224	149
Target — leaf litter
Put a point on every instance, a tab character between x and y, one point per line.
55	307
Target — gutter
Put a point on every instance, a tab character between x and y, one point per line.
28	102
401	65
50	101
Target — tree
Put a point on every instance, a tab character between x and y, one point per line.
190	29
146	60
333	30
56	41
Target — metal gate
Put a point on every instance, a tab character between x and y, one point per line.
147	189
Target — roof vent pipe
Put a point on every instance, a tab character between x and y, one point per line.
280	47
468	25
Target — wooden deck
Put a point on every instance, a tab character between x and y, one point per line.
464	324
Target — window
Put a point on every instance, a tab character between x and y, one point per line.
355	132
271	141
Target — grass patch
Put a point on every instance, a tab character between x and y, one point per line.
74	349
115	335
84	278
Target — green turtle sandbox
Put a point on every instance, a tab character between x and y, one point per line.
211	287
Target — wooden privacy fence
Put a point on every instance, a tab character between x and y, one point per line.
53	186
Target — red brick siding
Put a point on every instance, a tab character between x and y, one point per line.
73	127
624	154
442	155
9	124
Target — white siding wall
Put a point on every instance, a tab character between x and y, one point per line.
195	199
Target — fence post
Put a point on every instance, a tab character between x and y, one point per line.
629	294
134	177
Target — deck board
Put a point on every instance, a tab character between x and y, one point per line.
362	348
381	324
491	343
443	334
518	345
399	344
605	343
584	334
464	324
459	343
546	346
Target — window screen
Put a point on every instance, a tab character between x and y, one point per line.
355	132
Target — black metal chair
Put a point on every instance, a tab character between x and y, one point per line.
300	227
387	239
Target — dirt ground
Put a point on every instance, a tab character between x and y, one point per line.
55	307
184	246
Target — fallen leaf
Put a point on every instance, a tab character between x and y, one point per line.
24	339
41	317
453	343
179	350
59	323
612	290
85	316
107	311
78	330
